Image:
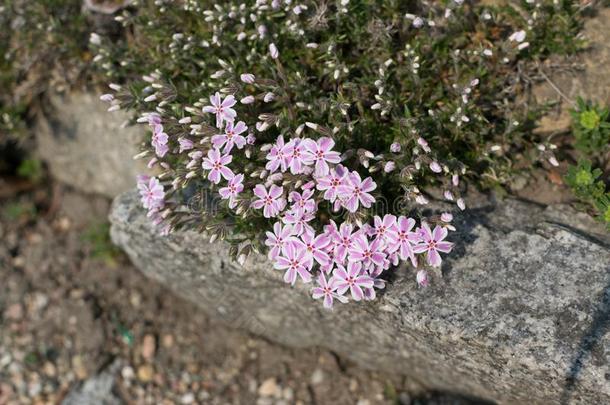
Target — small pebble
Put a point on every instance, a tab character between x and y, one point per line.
268	388
168	340
14	312
317	377
127	373
79	368
148	347
49	369
187	398
145	373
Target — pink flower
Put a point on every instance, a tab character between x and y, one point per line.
405	239
231	137
233	188
159	141
432	243
327	290
422	278
352	280
366	253
216	164
395	147
461	204
424	144
343	240
247	78
295	262
302	202
435	167
331	182
385	230
154	120
279	239
151	192
321	153
356	191
185	144
315	246
277	156
296	155
389	167
273	51
300	221
222	109
270	201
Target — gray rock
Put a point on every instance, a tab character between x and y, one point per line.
520	316
97	390
591	81
86	147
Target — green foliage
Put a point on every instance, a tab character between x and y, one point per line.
41	41
98	237
18	211
588	187
31	169
591	127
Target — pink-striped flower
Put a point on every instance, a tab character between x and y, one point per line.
277	156
351	280
302	202
327	290
185	144
296	156
270	201
216	163
315	246
433	242
330	183
405	238
295	263
151	192
384	229
159	141
321	154
221	108
355	191
231	137
300	221
279	239
366	252
233	188
423	280
343	239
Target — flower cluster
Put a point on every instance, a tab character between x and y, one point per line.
346	256
153	199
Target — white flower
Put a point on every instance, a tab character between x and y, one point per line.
518	36
247	78
273	51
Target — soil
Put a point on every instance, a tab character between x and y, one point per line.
71	304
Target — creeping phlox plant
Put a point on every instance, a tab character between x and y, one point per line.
300	174
316	131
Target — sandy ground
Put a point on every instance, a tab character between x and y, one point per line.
71	305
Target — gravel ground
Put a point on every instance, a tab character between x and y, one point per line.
73	311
